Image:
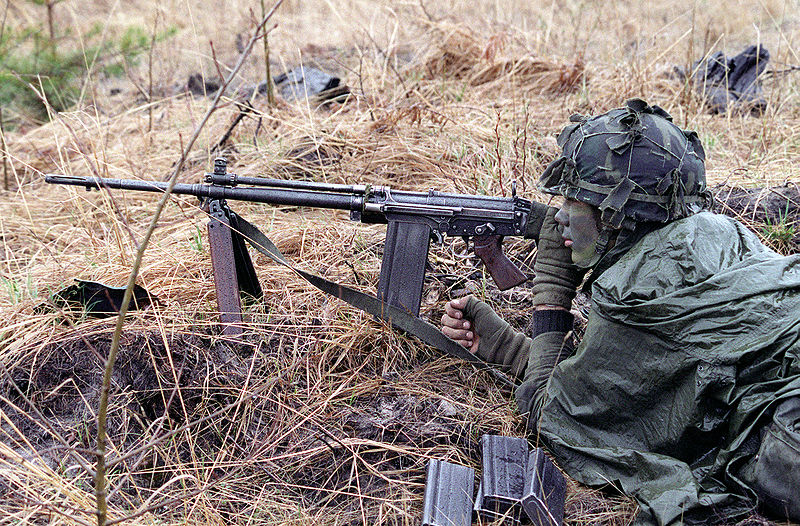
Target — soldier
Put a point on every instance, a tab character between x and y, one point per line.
685	389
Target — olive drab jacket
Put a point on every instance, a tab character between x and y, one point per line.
692	341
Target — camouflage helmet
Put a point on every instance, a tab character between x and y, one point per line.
632	163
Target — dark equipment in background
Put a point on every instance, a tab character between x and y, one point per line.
732	82
99	300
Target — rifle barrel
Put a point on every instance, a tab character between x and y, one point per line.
503	215
276	196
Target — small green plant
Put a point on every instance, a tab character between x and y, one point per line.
13	290
779	232
459	96
709	142
36	64
196	240
18	291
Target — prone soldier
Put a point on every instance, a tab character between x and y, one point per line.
685	389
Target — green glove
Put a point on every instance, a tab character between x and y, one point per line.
556	279
535	220
499	343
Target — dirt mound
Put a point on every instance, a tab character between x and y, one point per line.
55	396
773	213
246	414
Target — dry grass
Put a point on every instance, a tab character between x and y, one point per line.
320	415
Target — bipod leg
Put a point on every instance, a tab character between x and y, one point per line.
247	279
224	263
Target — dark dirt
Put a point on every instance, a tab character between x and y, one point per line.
340	471
189	376
64	380
774	213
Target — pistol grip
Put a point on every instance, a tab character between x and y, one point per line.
504	273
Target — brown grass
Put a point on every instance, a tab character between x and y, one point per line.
320	415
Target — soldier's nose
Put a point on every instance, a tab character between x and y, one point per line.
562	218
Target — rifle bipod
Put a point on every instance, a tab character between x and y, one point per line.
234	273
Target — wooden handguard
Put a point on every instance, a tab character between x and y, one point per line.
504	273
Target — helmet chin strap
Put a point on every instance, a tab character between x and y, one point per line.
601	247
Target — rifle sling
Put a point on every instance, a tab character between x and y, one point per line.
369	304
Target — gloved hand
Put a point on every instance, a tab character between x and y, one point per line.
474	324
556	279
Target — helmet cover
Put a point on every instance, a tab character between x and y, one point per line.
632	163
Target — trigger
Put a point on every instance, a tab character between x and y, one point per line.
437	236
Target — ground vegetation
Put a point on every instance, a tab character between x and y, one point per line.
318	414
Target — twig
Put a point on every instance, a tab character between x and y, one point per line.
270	89
689	82
2	125
775	72
102	413
3	23
361	82
497	154
524	147
216	62
425	12
255	133
244	109
50	26
150	76
4	152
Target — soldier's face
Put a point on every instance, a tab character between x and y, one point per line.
580	228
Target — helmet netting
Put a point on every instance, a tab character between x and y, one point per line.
632	163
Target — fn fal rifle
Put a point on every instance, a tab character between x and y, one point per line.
412	219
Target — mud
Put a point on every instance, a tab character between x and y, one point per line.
287	437
63	381
773	213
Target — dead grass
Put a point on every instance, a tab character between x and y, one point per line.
319	415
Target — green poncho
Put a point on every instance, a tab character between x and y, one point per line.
693	337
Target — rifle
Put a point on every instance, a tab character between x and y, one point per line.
412	218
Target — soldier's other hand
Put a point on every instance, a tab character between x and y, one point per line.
457	326
556	278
